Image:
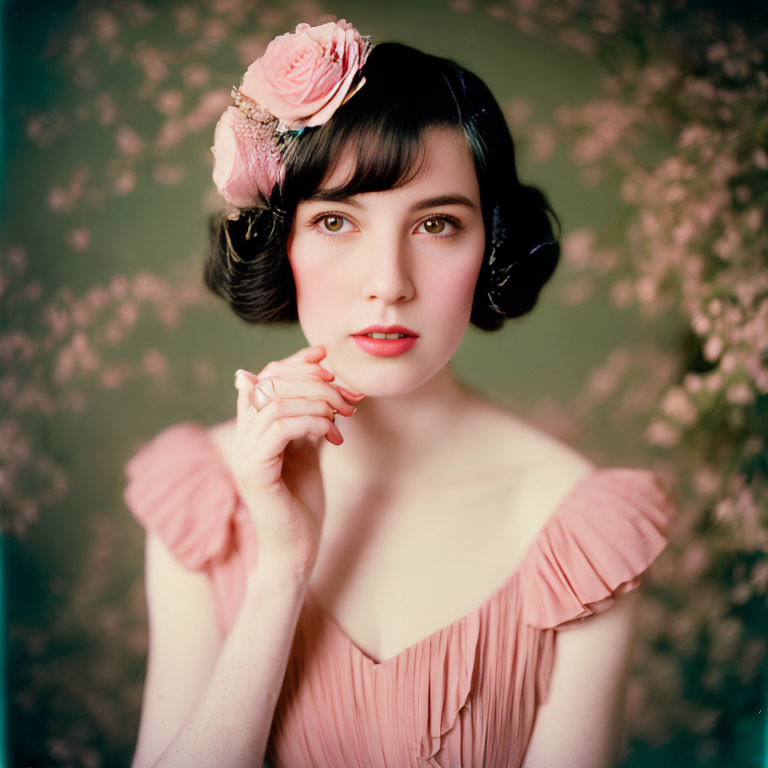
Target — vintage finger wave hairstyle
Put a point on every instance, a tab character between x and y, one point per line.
406	91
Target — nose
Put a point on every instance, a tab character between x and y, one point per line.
387	272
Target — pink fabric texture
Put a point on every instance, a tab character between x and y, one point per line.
464	696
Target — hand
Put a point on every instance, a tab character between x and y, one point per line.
275	455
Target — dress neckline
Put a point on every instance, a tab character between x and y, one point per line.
506	585
586	479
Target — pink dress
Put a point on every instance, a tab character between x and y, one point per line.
464	696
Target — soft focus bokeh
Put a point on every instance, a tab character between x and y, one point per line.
647	125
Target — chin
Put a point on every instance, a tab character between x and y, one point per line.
378	378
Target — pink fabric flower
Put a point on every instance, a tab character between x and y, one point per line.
303	78
247	159
299	82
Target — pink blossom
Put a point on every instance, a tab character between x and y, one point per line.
106	109
125	182
17	258
706	481
195	75
518	111
543	143
717	51
754	219
155	362
578	290
214	30
169	102
713	381
662	433
83	350
677	406
129	143
151	61
168	174
97	298
684	232
205	111
114	332
701	324
186	19
760	159
713	348
692	382
147	286
118	287
729	361
128	313
247	161
740	393
59	200
578	246
33	291
303	78
170	134
81	314
105	25
31	398
111	377
621	293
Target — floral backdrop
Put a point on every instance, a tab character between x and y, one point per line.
647	125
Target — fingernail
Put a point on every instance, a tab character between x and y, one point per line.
239	370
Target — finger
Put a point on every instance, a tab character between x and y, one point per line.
243	377
314	354
313	388
244	390
300	356
292	406
282	431
282	368
356	396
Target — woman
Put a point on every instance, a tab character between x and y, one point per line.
389	587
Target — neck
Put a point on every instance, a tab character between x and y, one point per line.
404	430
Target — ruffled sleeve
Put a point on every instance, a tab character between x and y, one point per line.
179	488
595	547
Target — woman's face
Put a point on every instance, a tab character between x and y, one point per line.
408	256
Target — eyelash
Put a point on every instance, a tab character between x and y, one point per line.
455	223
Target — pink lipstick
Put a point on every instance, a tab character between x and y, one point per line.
370	339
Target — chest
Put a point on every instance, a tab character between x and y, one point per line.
398	562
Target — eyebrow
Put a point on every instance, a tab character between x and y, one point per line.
331	196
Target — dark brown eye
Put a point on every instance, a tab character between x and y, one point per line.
333	223
434	226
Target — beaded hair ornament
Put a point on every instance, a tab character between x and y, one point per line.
299	82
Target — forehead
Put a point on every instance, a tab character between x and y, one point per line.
444	159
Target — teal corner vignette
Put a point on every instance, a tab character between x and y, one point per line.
3	657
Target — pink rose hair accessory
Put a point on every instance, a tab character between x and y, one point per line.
299	82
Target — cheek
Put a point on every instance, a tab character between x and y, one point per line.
317	293
453	288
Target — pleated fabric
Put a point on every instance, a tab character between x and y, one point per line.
464	696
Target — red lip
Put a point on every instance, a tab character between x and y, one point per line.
386	329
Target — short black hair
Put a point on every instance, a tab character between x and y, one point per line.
406	92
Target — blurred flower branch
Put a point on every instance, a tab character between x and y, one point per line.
681	129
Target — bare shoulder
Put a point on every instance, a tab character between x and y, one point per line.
547	468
